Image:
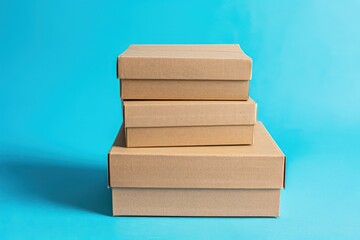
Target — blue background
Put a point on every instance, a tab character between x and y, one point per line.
60	111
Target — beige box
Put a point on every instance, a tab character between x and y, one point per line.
198	181
184	72
188	123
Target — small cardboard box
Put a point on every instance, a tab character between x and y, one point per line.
184	72
188	123
198	181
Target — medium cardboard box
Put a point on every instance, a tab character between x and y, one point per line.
184	72
198	181
188	123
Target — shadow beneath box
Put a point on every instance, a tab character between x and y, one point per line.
70	184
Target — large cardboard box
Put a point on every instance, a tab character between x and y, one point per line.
184	72
198	181
189	123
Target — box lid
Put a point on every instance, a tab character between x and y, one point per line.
257	166
201	61
188	113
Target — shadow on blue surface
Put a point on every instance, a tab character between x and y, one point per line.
65	183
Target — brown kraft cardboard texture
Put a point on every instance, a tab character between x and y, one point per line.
189	123
184	72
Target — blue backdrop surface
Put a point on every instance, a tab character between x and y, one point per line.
60	111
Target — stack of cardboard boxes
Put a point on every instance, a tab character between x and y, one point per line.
190	144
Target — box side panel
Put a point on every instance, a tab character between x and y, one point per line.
186	171
189	113
196	202
147	89
189	136
184	68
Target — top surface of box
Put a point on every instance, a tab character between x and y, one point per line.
189	113
261	165
207	61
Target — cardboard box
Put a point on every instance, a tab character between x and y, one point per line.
189	123
184	72
198	181
196	202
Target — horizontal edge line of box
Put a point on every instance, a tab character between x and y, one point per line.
184	79
180	126
197	188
